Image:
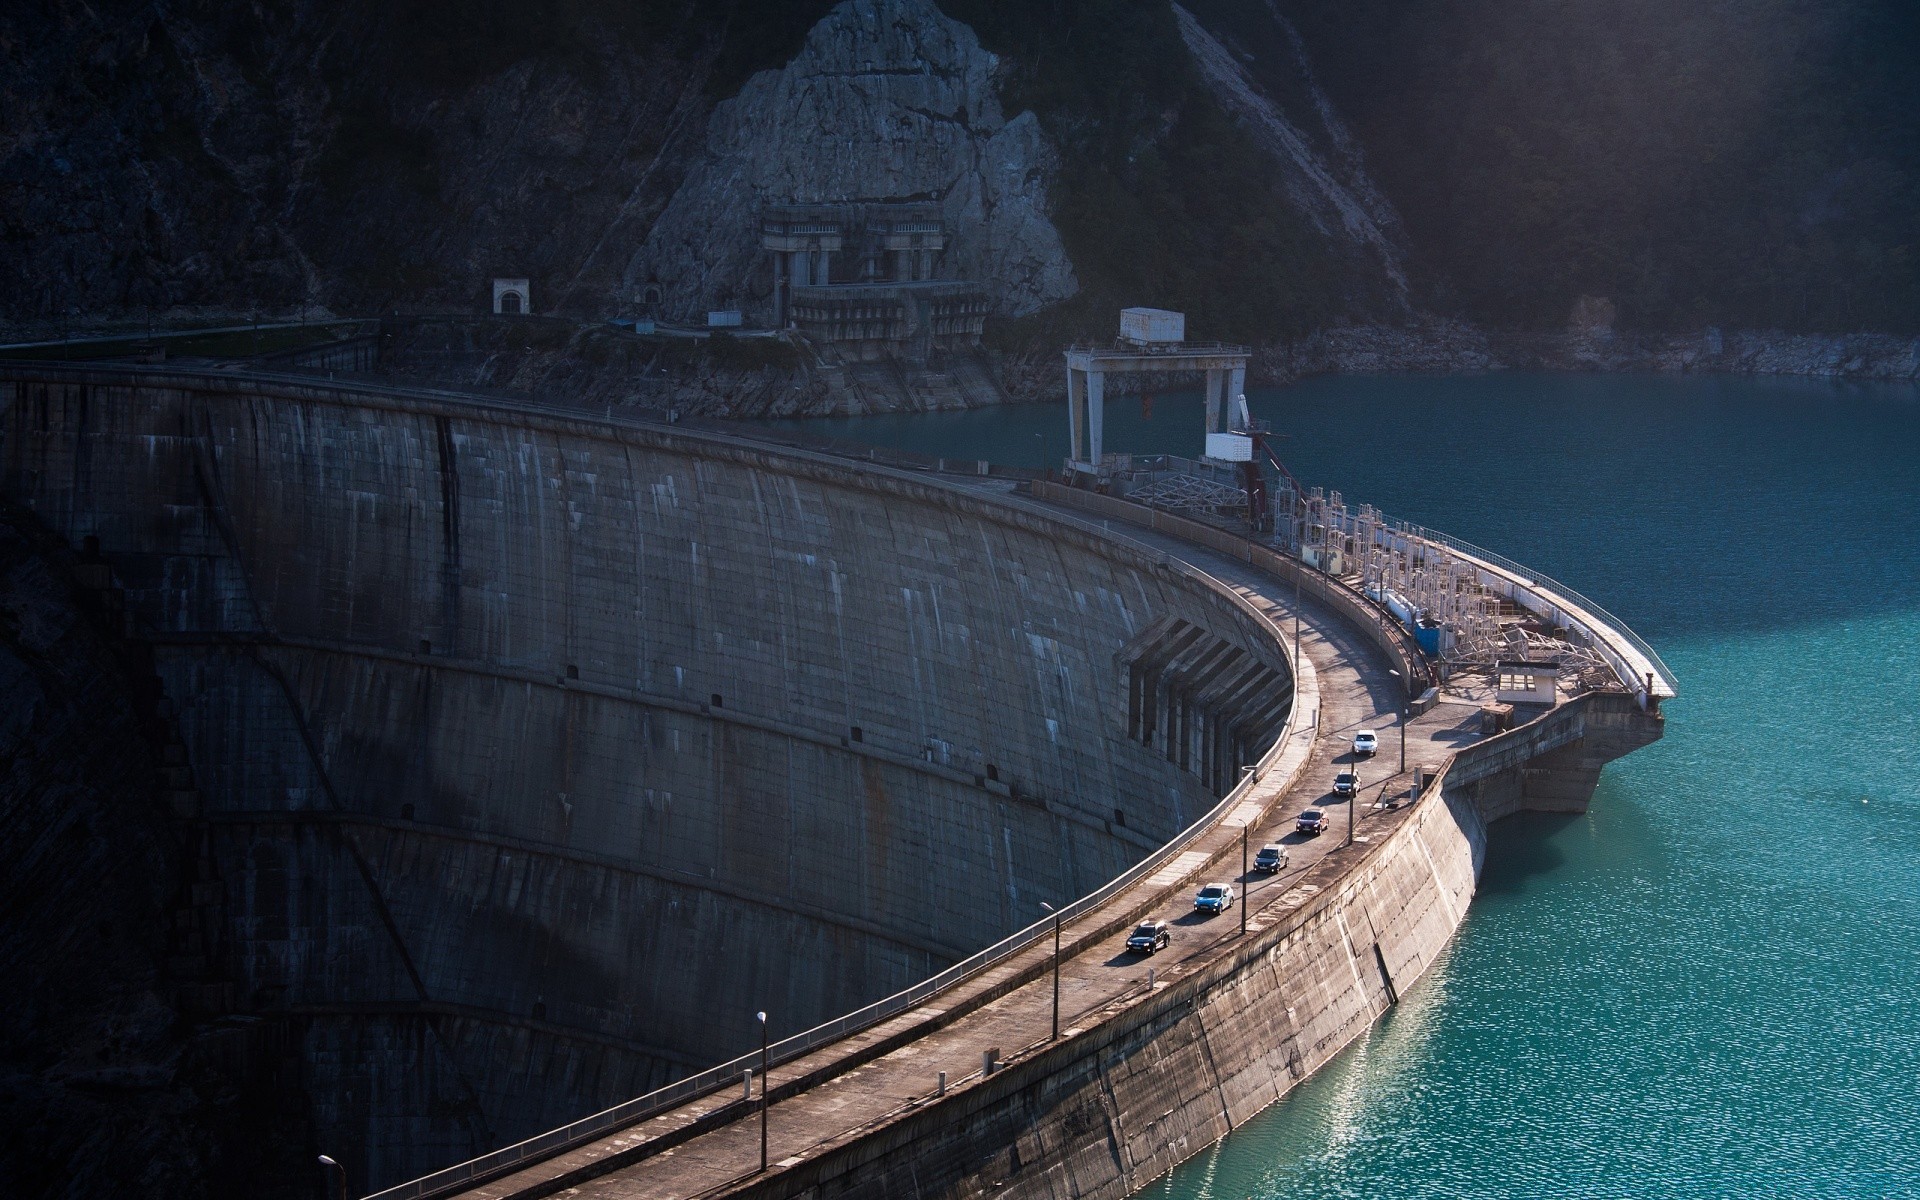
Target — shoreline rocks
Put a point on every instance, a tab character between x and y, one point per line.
1440	347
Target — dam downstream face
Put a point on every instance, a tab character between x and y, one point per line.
533	758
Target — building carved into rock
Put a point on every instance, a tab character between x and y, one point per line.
862	280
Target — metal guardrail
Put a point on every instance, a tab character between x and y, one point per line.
1156	349
1550	588
1542	580
376	386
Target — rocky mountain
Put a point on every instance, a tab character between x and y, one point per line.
160	157
1273	168
888	100
1750	166
1334	190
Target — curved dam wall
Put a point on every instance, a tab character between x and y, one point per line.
526	757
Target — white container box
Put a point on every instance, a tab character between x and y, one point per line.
724	319
1152	326
1230	447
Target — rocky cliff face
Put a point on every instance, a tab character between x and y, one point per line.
162	159
889	100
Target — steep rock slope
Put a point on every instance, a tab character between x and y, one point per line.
157	157
889	99
1747	166
1332	191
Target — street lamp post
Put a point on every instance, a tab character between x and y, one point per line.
1299	569
339	1173
763	1090
1401	710
1353	801
1056	968
1246	778
1243	881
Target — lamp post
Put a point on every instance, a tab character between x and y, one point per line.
1299	569
1353	801
1243	881
763	1090
1246	775
337	1171
1401	711
1056	968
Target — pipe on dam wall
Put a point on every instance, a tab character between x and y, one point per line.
878	716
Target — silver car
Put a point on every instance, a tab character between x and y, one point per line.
1214	898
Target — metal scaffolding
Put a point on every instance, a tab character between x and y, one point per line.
1185	492
1440	594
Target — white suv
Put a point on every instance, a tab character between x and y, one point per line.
1366	743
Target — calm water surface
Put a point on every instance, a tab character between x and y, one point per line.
1709	985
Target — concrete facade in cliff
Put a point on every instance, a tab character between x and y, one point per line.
890	100
534	755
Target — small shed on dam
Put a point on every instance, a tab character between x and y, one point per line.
1525	682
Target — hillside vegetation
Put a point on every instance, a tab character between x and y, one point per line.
1748	165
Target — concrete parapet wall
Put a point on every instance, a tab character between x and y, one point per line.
559	748
1106	1111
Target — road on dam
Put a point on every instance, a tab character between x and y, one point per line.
1345	684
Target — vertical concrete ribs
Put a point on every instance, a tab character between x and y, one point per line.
1213	707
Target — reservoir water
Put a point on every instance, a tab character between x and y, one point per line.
1709	985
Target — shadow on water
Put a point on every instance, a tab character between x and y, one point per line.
1522	847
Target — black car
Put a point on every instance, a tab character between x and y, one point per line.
1151	936
1271	858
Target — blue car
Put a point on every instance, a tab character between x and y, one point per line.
1214	898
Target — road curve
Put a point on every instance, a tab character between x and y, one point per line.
709	1146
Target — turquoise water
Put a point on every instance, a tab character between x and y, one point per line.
1709	985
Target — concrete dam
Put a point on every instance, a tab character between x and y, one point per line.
526	756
